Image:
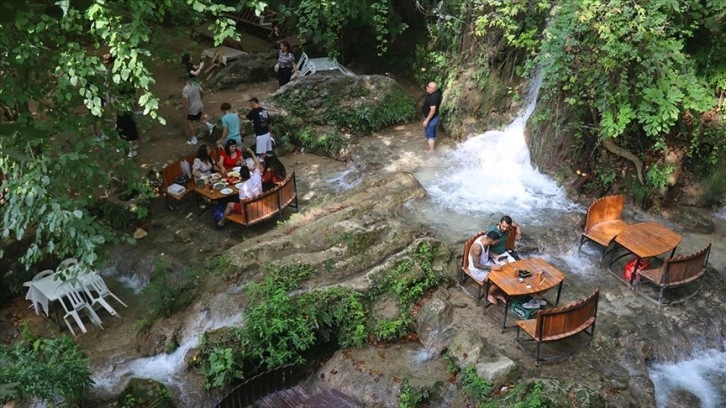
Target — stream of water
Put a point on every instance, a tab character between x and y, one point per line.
469	188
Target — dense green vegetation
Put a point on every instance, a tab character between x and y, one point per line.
52	370
282	329
640	83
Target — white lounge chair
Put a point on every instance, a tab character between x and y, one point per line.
93	283
72	303
304	67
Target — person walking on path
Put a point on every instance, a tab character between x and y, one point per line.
261	121
431	106
285	64
231	126
193	108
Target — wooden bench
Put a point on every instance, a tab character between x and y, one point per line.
464	272
675	272
558	324
603	222
171	172
269	204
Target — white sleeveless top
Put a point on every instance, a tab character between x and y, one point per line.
483	259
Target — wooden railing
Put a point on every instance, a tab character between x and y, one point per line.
262	385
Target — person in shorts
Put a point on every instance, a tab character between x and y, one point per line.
194	108
430	110
261	121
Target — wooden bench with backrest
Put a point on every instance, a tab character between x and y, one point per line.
603	222
174	170
171	173
465	273
558	324
268	204
676	272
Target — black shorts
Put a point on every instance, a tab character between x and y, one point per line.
195	118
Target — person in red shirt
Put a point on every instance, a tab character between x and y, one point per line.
274	173
231	156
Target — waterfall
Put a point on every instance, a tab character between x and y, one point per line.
703	375
167	369
492	174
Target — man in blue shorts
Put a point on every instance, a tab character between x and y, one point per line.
431	106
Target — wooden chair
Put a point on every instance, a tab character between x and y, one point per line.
464	272
171	172
603	222
558	324
676	272
268	204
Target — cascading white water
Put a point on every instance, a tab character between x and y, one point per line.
167	369
491	173
703	376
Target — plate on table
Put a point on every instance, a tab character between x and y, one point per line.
238	186
227	191
237	169
234	174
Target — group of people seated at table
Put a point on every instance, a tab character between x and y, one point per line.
255	175
488	253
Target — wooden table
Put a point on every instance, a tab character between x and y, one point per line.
506	280
213	194
645	240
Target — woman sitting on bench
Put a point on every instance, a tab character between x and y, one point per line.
251	187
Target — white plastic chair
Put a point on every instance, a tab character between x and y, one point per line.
93	282
72	303
304	67
43	274
67	265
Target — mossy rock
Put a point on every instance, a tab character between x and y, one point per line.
142	392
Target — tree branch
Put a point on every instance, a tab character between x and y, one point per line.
619	151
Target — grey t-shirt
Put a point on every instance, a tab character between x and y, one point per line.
193	92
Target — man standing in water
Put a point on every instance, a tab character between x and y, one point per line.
431	114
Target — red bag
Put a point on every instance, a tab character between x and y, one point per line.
630	269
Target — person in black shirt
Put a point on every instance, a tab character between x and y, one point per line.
431	114
261	121
189	67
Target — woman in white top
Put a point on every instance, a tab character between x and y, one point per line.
480	265
203	164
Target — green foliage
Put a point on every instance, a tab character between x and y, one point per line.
396	107
632	69
46	369
329	143
658	174
337	312
411	396
280	328
328	24
474	386
53	81
534	397
143	393
392	329
221	357
166	294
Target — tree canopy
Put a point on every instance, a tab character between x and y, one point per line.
54	80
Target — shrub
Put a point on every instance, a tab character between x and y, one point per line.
46	369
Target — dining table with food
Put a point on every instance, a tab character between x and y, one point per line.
217	186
